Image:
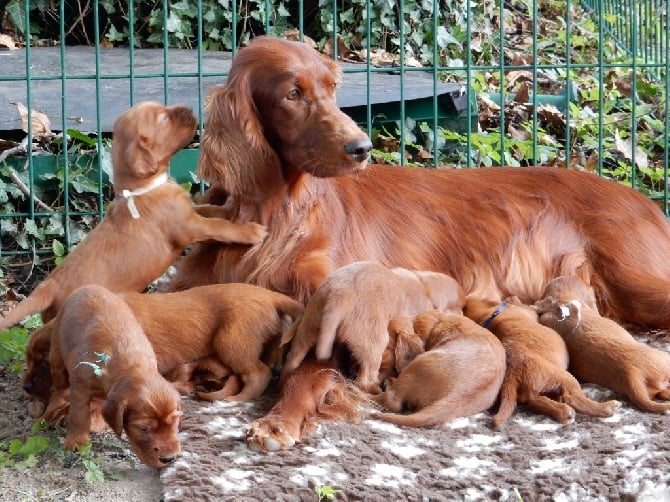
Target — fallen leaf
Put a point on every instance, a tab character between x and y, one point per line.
294	35
625	148
41	124
7	41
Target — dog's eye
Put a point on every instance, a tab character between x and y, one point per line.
293	95
145	430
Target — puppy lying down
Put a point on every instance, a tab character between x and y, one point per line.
459	374
601	351
537	362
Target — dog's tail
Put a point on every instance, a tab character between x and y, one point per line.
507	397
38	301
432	415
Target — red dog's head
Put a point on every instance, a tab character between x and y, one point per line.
276	117
150	414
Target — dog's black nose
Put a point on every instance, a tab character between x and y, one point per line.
359	148
28	387
167	460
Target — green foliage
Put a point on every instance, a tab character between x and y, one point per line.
23	454
13	348
325	492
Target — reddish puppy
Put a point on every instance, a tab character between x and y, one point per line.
601	351
227	330
464	365
537	362
353	307
98	350
149	222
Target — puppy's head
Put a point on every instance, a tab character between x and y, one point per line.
146	136
150	413
403	346
564	289
37	377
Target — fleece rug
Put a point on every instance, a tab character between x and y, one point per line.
624	457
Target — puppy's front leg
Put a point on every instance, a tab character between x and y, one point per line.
222	230
78	421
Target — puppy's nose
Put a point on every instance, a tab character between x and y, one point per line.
167	460
28	387
358	148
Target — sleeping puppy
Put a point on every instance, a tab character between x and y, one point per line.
460	373
98	350
537	361
353	307
221	329
147	225
316	392
601	351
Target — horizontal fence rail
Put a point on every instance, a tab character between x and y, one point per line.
577	85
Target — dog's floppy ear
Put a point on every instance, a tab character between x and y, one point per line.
113	411
407	347
139	155
235	154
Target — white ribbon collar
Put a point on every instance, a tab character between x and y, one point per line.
130	194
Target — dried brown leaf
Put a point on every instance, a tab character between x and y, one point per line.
7	41
41	124
625	148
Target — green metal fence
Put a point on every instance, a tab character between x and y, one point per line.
579	85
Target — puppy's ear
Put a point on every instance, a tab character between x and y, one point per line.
289	333
407	347
113	411
139	155
234	154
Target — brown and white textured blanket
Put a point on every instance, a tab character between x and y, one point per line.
625	457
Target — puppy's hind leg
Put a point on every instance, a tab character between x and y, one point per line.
574	396
508	399
560	412
639	395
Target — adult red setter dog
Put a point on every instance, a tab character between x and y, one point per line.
278	151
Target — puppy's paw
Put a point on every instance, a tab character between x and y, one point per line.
252	233
72	441
35	407
264	437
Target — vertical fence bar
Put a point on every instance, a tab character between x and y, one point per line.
468	84
98	105
66	157
401	53
131	49
436	153
534	17
635	16
368	68
166	43
601	92
568	69
29	143
666	153
503	86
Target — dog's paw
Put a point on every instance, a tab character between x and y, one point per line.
254	233
263	437
72	441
